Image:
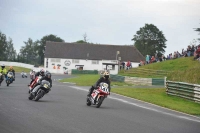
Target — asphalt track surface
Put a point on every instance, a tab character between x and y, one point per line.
64	110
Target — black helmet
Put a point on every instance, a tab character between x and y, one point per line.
48	75
106	75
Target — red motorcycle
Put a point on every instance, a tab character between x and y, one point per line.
98	95
34	83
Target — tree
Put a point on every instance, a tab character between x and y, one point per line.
10	52
41	47
3	44
7	51
150	40
85	38
198	30
80	41
29	52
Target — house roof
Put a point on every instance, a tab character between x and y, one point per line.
92	51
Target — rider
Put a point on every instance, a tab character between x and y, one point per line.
47	77
104	78
32	76
40	73
13	71
3	71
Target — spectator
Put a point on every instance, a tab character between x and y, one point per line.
188	50
147	59
153	59
128	64
192	50
123	64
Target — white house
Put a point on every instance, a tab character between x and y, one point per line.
63	57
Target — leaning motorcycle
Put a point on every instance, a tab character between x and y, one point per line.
43	89
9	78
24	75
98	95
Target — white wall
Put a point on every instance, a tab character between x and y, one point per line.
6	63
87	65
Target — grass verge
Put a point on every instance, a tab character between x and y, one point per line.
152	95
19	69
89	80
159	97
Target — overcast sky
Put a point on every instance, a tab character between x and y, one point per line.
104	21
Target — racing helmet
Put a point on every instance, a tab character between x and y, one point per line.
48	75
2	66
106	75
42	72
11	67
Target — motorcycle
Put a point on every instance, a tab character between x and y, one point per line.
98	95
24	75
43	89
9	78
1	76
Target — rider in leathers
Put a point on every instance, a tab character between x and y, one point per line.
105	79
13	71
3	71
40	73
47	77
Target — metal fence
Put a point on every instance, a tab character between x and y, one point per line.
147	72
74	71
138	80
184	90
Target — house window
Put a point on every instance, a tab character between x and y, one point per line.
95	62
55	60
75	61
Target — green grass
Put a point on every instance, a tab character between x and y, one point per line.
89	80
159	97
19	69
183	69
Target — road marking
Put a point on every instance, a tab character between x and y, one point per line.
135	104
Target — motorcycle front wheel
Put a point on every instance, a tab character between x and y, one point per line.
39	95
88	102
30	96
7	83
100	101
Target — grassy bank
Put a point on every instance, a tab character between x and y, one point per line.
152	95
183	69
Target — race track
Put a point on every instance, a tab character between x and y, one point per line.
64	110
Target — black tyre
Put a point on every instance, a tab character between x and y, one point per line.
88	102
100	101
7	83
30	96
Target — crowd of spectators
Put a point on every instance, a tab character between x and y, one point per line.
190	51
